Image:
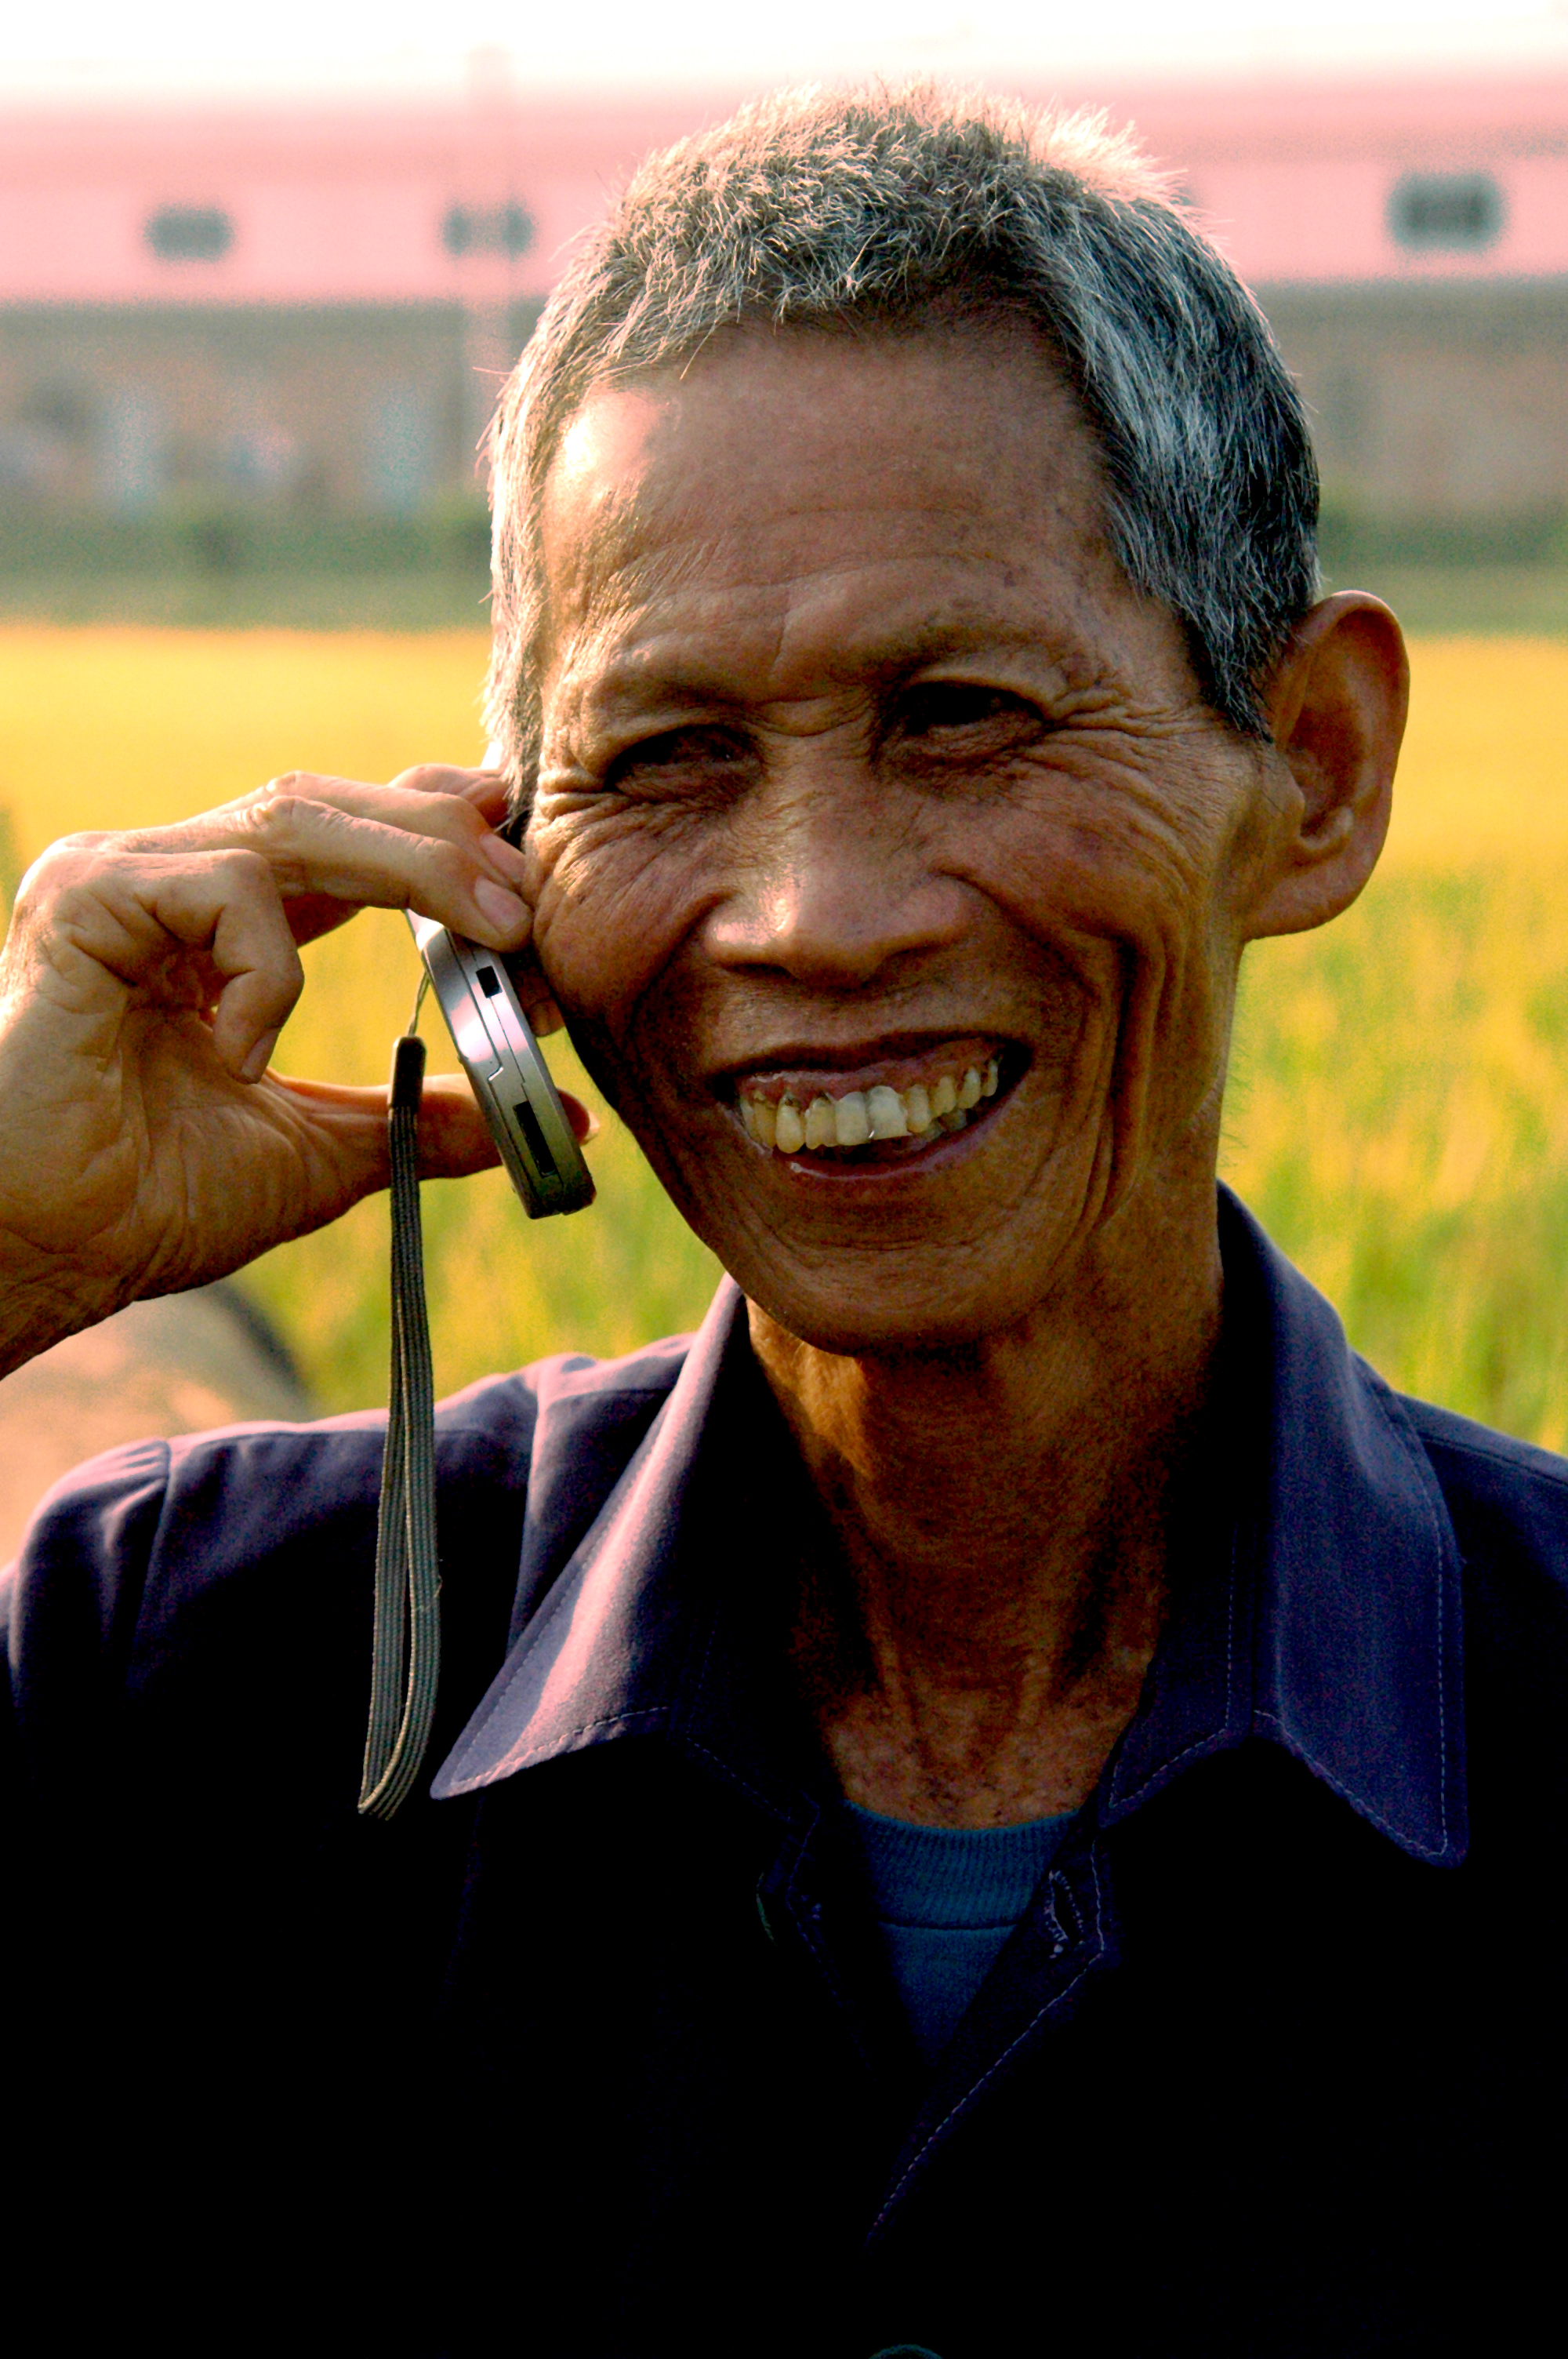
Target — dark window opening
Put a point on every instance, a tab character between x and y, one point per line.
189	234
1446	212
488	229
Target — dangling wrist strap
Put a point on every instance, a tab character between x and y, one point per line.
405	1661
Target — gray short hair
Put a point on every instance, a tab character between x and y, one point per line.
829	210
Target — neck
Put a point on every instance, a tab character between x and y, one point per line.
983	1598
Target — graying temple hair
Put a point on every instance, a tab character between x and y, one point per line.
831	210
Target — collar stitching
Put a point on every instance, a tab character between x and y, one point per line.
771	1806
566	1741
729	1770
1206	1741
535	1627
800	1907
1421	1466
1346	1793
696	1745
963	2102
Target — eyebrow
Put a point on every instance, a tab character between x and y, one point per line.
630	686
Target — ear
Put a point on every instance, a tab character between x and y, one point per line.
1336	704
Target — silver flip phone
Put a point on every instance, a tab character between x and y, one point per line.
509	1076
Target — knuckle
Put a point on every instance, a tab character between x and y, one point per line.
54	868
240	875
275	986
67	870
286	808
282	828
279	813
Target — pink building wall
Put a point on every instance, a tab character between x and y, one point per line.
338	354
346	204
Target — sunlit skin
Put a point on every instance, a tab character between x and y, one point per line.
857	743
862	762
144	1146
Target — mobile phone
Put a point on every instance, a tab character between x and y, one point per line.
507	1073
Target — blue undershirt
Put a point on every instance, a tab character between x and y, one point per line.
946	1899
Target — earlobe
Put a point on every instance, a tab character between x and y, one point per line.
1336	703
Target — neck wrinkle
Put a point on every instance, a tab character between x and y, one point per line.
982	1589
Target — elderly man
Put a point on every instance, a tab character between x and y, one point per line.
951	1826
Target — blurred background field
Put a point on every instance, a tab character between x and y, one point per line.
123	727
1399	1114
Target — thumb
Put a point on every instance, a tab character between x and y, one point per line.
454	1137
350	1124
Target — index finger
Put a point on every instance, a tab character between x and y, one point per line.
329	859
485	787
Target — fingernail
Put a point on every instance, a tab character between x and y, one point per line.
260	1057
501	907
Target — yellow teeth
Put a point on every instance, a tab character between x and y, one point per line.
785	1126
851	1123
821	1126
885	1109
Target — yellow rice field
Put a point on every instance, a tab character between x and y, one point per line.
1399	1110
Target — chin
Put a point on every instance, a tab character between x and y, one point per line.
853	1316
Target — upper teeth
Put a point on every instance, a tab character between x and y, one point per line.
785	1126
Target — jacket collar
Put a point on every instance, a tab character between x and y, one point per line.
609	1650
1328	1620
1325	1620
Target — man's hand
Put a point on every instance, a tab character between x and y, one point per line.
143	1146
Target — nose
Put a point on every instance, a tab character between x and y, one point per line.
835	885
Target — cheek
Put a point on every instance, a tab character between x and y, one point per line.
614	897
1110	857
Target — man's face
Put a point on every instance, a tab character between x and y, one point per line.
868	781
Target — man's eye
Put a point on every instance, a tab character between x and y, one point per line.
942	708
677	755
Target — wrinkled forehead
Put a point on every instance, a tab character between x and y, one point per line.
957	446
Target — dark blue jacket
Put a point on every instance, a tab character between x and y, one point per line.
592	2052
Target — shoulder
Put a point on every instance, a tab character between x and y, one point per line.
244	1490
1507	1502
1484	1473
137	1536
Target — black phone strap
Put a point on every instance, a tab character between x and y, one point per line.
406	1656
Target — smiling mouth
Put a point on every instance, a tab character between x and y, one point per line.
853	1119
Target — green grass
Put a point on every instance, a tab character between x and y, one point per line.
1398	1118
